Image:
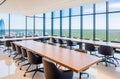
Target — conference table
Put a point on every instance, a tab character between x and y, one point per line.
73	60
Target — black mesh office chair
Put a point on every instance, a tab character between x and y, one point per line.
83	51
90	47
34	59
107	53
52	72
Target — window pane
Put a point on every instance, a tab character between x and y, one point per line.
30	26
38	26
88	9
101	27
56	27
48	24
65	12
57	14
65	26
75	28
4	24
76	11
114	5
88	27
101	7
17	25
114	26
39	15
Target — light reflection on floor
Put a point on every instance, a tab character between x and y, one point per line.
10	70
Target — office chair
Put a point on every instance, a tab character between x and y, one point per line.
90	47
107	53
52	72
70	44
34	59
61	42
24	55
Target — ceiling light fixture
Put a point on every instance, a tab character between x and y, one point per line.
2	1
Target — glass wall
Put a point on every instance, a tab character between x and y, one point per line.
4	25
65	23
56	23
75	23
38	26
114	27
88	27
48	23
17	25
30	27
100	20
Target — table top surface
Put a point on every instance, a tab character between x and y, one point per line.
97	43
76	61
24	38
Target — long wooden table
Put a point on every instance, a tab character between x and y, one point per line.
76	61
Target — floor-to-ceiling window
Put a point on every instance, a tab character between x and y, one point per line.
4	25
114	20
17	25
75	22
48	23
38	25
100	21
56	23
65	22
30	26
88	21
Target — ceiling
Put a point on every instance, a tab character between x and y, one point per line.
32	7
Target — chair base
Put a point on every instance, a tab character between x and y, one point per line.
81	73
35	71
106	62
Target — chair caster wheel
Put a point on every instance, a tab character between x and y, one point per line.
24	75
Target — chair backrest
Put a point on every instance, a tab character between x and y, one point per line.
80	50
69	43
24	52
106	50
13	46
34	58
18	49
7	43
60	41
53	40
51	71
89	47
